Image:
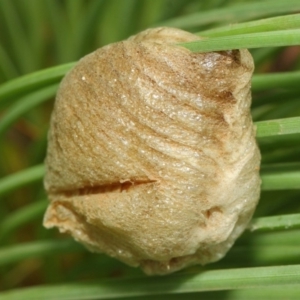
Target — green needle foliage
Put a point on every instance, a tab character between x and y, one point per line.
39	43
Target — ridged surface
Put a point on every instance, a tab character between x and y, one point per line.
152	157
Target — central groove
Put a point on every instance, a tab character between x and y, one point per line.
116	187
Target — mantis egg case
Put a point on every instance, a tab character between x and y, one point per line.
152	156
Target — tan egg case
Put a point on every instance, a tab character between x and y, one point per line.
152	157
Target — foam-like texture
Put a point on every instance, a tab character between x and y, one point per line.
152	156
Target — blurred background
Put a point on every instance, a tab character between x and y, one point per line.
38	34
